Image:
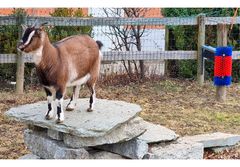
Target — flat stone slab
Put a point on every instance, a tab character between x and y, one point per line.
44	147
107	116
180	149
157	133
125	132
217	139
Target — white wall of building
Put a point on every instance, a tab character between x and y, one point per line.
152	40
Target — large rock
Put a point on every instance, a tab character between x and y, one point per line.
46	148
107	116
157	133
105	155
53	134
217	139
134	149
180	149
125	132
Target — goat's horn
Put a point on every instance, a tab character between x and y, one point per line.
35	23
43	24
24	27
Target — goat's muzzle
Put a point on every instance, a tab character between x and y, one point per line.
20	46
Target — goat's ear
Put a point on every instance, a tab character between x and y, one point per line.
42	26
38	31
24	27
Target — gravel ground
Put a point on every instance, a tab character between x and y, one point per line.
180	105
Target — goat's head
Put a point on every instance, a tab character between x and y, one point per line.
32	39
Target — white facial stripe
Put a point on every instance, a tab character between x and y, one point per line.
29	37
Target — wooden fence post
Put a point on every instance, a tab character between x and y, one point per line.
221	41
201	41
20	60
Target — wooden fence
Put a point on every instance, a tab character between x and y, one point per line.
201	21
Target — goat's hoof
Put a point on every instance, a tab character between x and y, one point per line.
47	117
58	121
69	109
89	110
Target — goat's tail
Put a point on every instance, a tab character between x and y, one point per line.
100	44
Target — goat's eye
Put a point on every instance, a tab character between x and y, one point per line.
38	31
36	35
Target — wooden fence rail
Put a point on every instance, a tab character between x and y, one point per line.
104	21
117	21
119	56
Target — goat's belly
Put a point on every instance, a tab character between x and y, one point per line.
80	81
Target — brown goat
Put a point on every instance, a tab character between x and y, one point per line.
73	61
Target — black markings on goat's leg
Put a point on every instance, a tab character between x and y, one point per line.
58	112
92	99
70	102
49	108
59	99
50	112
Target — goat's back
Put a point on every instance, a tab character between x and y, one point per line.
77	44
80	53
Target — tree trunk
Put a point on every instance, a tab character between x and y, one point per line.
129	68
142	69
141	62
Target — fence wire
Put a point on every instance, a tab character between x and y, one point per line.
128	35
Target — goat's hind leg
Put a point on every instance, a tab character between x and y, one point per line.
50	113
92	99
73	101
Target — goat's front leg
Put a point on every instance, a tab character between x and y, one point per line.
59	102
50	113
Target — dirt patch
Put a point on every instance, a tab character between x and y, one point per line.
233	153
180	105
